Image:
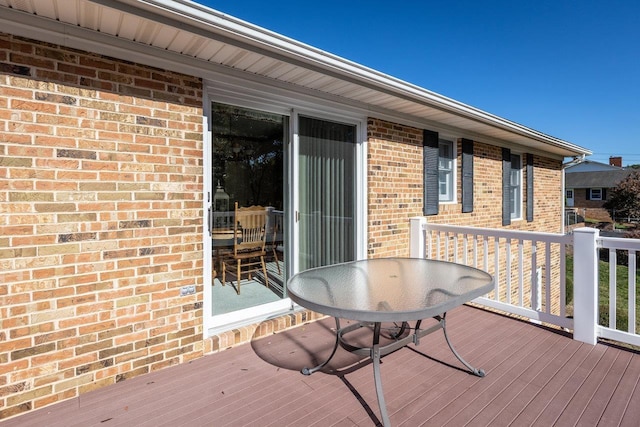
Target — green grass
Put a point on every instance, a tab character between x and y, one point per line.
622	293
616	225
622	226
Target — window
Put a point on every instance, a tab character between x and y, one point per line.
569	194
446	169
439	173
596	194
516	187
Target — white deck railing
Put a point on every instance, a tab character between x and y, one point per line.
621	248
529	269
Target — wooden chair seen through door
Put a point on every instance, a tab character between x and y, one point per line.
248	256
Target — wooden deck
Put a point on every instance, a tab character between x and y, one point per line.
535	376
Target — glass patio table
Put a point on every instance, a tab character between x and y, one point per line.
395	290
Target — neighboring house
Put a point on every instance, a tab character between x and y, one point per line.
587	185
128	130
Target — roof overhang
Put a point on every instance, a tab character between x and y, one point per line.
187	37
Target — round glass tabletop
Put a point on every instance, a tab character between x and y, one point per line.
388	289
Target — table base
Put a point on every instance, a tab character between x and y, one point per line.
376	351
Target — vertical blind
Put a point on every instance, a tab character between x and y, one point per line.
327	155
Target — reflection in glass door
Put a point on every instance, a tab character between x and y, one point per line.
326	192
247	218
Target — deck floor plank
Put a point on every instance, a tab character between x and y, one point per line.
617	405
446	395
515	396
535	376
605	394
550	397
504	384
589	404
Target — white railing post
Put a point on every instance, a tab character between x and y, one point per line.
416	237
585	284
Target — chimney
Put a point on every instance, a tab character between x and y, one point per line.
615	161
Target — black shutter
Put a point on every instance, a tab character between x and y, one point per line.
430	172
587	194
506	186
529	187
467	175
604	194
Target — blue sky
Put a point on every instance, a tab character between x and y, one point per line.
570	69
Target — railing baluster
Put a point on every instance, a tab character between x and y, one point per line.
485	258
547	277
534	275
563	282
632	292
508	270
521	272
613	280
475	250
465	248
496	266
446	246
455	248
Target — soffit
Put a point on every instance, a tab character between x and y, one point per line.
194	31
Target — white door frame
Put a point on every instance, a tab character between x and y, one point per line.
251	94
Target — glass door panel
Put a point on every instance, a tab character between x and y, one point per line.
248	172
326	192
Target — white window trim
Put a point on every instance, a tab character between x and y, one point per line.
454	169
591	194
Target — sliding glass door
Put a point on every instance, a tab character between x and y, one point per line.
306	190
326	192
249	152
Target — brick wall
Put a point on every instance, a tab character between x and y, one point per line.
395	189
395	186
100	221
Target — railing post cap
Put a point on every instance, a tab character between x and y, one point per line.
587	230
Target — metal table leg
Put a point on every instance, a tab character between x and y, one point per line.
375	356
474	371
309	371
376	351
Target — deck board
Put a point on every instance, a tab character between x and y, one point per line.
568	390
535	376
502	385
603	395
617	405
515	395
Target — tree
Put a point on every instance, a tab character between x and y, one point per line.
624	199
